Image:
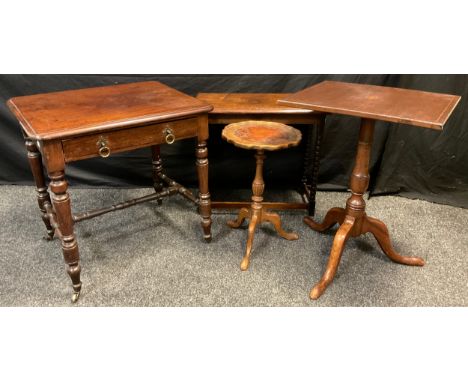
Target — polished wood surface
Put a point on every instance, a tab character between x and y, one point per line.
89	146
87	123
204	196
261	135
79	112
411	107
42	194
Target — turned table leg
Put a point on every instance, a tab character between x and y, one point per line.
63	215
315	165
204	194
258	187
339	242
353	219
43	197
157	170
307	139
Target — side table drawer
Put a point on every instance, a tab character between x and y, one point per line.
105	144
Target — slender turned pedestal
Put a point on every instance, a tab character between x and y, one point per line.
260	136
372	103
353	220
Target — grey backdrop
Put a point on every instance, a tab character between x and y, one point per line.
409	161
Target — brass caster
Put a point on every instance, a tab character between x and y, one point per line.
49	236
75	297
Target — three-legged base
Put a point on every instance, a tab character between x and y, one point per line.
257	216
352	226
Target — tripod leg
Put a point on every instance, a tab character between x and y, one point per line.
339	242
380	232
243	214
333	216
252	225
276	221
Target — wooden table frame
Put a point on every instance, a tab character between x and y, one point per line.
51	154
263	107
56	210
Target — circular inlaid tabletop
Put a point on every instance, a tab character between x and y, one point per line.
261	135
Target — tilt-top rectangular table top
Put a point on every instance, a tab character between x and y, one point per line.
93	110
412	107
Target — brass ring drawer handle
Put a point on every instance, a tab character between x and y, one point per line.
104	150
170	137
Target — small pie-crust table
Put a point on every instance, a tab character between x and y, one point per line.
260	136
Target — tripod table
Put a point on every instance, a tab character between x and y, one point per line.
370	103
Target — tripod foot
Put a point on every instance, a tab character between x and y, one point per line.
276	221
380	232
246	260
243	214
333	216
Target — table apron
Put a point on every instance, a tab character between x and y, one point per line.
128	139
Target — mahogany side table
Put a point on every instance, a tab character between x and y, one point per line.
237	107
67	126
370	103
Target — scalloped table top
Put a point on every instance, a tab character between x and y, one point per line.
261	135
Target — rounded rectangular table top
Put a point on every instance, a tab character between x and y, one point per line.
249	103
83	111
412	107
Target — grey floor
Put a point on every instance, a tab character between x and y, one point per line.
155	256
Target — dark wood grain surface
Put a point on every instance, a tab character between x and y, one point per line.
83	147
249	103
77	112
412	107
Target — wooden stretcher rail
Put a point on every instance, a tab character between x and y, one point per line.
269	205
